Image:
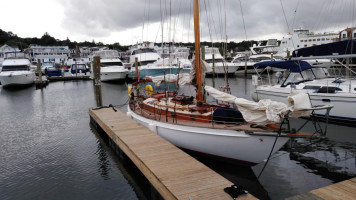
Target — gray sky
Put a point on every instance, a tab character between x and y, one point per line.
131	21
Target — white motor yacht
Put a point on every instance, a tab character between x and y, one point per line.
218	62
17	72
111	67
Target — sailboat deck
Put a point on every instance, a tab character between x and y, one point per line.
215	125
172	172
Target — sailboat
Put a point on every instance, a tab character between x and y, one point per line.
247	135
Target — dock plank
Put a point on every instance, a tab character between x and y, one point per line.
342	190
173	173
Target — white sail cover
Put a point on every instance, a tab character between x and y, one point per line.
263	112
181	78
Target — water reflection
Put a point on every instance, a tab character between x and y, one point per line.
104	164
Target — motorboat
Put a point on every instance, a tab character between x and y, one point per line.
176	56
234	129
111	67
322	89
17	71
146	57
217	64
79	69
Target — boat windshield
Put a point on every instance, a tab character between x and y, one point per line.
107	64
16	68
79	66
147	50
320	72
295	78
216	60
259	59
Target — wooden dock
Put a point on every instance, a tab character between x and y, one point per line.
172	172
345	190
67	78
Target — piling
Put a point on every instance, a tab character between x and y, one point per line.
40	82
97	82
245	63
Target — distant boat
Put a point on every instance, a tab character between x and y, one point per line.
315	80
147	58
220	65
111	67
17	71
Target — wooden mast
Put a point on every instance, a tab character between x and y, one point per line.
198	70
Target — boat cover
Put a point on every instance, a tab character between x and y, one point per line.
293	66
265	111
340	48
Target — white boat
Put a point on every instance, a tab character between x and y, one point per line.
301	38
111	67
258	53
176	56
17	71
147	57
218	63
243	136
314	81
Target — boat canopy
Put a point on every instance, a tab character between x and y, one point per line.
293	66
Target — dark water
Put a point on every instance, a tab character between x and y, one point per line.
50	151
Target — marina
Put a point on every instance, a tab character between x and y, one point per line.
51	153
164	104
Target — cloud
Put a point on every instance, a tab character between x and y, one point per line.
109	19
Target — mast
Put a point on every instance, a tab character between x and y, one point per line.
198	71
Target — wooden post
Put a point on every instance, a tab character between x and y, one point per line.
97	84
348	67
96	68
137	78
76	69
245	63
203	53
213	70
39	71
63	69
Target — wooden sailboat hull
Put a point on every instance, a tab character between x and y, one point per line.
230	145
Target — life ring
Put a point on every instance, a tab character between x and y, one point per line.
129	91
149	90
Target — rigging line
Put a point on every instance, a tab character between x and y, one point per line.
162	25
225	47
183	23
295	14
207	19
175	21
143	20
219	18
214	24
285	17
243	20
148	18
190	21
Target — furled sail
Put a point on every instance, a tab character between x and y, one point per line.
263	112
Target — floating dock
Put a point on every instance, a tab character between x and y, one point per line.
345	190
172	172
67	78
